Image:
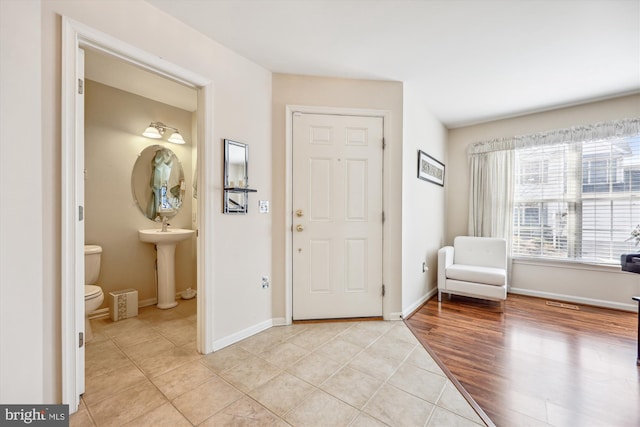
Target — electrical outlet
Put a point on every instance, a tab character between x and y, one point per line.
265	282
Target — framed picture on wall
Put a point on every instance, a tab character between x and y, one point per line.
430	169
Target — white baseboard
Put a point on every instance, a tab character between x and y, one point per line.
393	316
147	302
98	314
574	299
280	321
240	335
413	307
104	312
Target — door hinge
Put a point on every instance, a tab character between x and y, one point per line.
80	86
383	217
80	213
80	339
384	144
383	290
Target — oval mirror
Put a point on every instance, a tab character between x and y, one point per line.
157	182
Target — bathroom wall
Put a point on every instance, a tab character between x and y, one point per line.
114	121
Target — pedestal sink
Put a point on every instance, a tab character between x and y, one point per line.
165	242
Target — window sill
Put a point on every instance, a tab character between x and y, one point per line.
575	265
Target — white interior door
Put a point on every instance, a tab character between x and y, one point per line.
337	216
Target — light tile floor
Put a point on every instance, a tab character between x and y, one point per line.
145	371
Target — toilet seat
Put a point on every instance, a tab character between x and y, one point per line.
91	292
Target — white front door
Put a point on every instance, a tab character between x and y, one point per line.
337	216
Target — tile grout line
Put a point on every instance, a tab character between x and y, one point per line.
280	370
120	348
345	364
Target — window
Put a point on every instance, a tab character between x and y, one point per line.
534	172
577	200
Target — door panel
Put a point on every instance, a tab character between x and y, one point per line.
321	187
320	258
337	225
356	255
356	193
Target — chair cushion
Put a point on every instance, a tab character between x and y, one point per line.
482	251
474	273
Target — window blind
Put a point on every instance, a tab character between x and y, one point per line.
577	200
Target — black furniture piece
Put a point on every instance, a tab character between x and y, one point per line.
638	357
631	263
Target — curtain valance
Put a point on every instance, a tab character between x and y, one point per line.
599	131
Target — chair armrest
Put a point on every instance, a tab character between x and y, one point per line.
445	259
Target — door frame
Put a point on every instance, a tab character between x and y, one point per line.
76	35
386	185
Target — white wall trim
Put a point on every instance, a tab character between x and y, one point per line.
396	315
279	321
104	312
386	184
579	300
416	304
240	335
566	264
74	36
71	309
206	175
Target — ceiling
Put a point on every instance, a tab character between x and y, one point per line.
474	60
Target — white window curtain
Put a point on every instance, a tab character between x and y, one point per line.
493	176
491	194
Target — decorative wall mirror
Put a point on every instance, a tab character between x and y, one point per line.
236	177
157	182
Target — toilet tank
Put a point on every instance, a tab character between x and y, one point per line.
92	254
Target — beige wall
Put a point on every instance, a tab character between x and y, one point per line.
345	93
241	111
114	121
423	209
31	242
26	374
601	286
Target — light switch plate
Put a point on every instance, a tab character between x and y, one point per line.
264	206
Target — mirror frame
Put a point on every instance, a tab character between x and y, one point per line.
235	197
134	181
227	146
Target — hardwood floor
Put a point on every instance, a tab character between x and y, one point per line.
537	364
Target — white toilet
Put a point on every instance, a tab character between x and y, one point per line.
93	296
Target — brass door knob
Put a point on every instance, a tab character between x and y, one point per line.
299	213
299	228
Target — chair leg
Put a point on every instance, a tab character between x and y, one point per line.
502	306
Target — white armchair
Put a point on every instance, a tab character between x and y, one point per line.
474	267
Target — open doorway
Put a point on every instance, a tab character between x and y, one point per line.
122	176
76	38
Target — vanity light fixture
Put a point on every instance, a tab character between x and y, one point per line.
155	130
176	138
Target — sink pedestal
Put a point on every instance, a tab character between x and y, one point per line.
166	275
165	242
